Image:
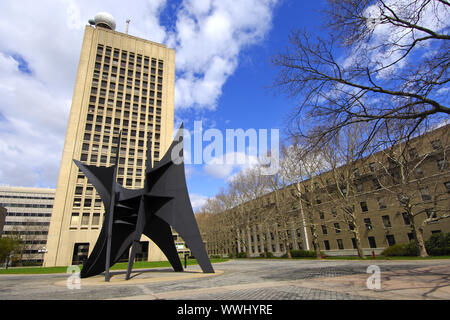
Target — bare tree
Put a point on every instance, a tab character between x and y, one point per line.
341	184
248	185
298	165
384	63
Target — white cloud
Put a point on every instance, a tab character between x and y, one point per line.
209	36
228	165
197	200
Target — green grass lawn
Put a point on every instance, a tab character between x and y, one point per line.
117	266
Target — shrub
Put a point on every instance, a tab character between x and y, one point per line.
438	244
303	254
268	255
242	255
401	249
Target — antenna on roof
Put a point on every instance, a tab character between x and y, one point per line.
126	28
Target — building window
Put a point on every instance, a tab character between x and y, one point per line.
419	172
359	187
376	183
354	243
431	214
364	207
436	144
76	202
382	203
447	185
78	190
326	244
410	236
368	223
85	219
372	242
425	193
75	219
96	219
406	218
412	153
337	228
334	212
386	221
324	229
372	167
321	215
442	164
340	244
390	239
80	253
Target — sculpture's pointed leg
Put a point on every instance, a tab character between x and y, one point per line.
137	236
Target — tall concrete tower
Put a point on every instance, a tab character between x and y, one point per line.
126	84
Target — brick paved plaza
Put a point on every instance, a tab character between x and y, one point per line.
250	280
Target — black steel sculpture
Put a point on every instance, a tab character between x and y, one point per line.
163	202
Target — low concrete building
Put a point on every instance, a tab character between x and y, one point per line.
313	209
28	217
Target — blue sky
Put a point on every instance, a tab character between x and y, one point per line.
247	101
223	72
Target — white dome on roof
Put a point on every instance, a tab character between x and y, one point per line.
104	19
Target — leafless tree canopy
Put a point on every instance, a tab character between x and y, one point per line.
384	63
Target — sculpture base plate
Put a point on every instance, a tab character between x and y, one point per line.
141	276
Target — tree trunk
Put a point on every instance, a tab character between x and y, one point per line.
249	243
420	243
418	237
358	244
288	252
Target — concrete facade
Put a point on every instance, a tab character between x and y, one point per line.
123	84
28	216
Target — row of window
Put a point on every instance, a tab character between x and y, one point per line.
100	128
27	223
128	98
106	51
340	243
28	214
123	119
26	197
84	219
26	205
25	232
36	242
127	108
441	163
424	192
